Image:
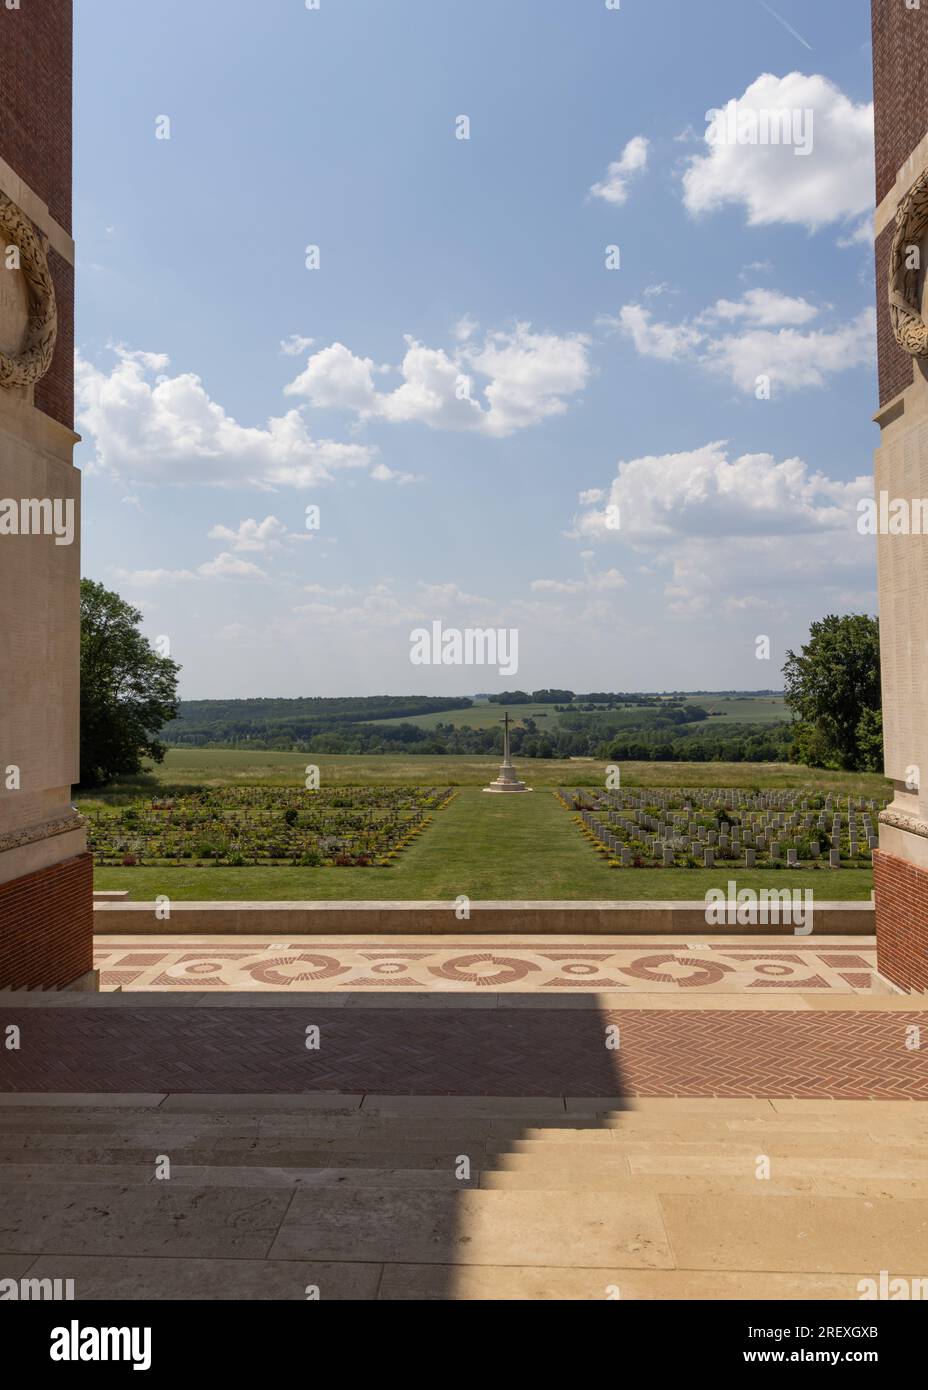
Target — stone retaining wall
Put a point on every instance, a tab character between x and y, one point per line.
438	918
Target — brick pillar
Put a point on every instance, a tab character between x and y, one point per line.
900	91
46	896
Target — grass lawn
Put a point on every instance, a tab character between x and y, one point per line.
745	709
186	767
482	716
485	847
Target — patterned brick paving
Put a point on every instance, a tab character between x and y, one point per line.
483	964
443	1051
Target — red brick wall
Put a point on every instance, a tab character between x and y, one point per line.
901	921
900	85
46	926
35	139
35	99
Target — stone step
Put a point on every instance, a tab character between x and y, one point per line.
740	1135
615	1181
116	1277
881	1123
667	1160
872	1188
370	1156
562	1283
737	1146
205	1176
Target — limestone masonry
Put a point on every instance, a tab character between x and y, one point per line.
46	895
900	88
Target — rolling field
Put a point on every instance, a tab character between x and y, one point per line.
751	709
482	716
186	767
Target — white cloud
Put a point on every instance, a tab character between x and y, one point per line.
448	595
755	268
701	492
664	340
862	234
591	495
591	584
465	328
224	566
766	308
793	360
170	431
513	379
251	534
790	359
722	526
295	345
382	474
633	159
377	609
145	578
831	183
227	566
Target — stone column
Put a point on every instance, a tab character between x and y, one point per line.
46	892
900	63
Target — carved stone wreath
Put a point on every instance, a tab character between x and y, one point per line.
900	821
35	356
909	328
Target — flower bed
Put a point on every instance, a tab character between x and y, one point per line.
352	827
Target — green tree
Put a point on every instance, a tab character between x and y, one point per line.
128	690
831	687
870	740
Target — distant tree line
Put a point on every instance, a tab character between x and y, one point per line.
290	723
664	732
568	699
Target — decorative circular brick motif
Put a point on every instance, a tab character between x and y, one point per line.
705	971
505	972
34	357
268	973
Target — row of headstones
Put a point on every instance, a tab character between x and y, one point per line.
734	800
763	827
680	827
706	843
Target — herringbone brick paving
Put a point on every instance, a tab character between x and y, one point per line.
532	1052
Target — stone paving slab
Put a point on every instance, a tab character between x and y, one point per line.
832	1234
117	1277
506	1228
152	1220
560	1283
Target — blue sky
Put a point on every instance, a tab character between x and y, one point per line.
223	386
